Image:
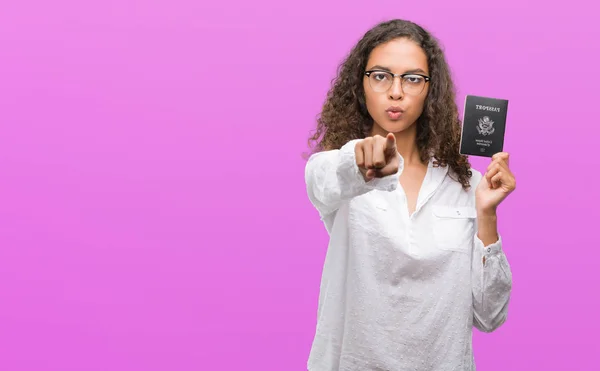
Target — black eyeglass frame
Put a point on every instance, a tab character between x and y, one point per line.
401	75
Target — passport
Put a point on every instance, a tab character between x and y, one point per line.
484	124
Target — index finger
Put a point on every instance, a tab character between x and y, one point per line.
501	156
390	143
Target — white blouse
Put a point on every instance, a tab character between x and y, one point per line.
401	293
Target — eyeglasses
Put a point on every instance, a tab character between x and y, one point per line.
411	83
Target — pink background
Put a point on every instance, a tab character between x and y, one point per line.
153	214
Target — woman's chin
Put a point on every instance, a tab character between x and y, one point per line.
395	126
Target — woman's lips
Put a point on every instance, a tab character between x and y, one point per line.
394	113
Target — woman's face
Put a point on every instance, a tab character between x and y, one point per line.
394	104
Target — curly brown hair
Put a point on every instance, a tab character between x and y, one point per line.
345	117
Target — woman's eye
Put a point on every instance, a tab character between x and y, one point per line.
380	76
413	79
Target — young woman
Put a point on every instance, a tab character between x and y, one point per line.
414	260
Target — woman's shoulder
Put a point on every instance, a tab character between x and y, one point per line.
474	179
